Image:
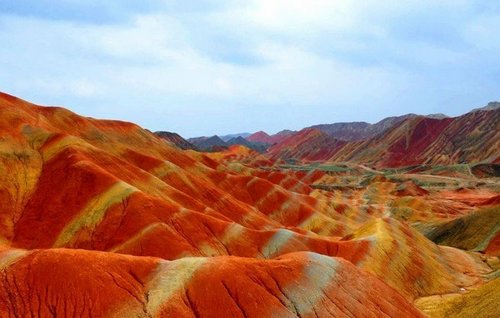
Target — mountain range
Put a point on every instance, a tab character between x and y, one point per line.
216	143
392	142
104	218
470	138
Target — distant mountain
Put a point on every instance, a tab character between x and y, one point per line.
176	139
353	131
259	136
239	141
280	136
307	144
386	123
285	132
473	137
402	141
231	136
214	143
263	137
394	141
360	130
437	116
257	146
345	131
490	106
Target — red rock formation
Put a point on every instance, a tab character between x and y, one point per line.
71	283
259	136
470	138
307	144
207	235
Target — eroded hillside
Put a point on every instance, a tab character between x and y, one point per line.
103	218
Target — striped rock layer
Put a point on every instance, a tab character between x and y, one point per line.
471	138
103	218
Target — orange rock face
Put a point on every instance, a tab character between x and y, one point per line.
103	218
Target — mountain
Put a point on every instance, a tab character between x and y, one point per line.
350	131
360	130
437	116
470	138
264	138
176	139
214	143
345	131
402	141
104	218
355	131
280	136
307	144
259	136
489	106
226	138
239	141
257	146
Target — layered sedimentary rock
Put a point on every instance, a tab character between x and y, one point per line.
104	218
411	140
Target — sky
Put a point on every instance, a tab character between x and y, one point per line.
218	67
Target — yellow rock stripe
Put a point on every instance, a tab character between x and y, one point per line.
170	278
94	212
68	141
11	256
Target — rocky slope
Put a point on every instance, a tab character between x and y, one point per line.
470	138
176	139
308	144
362	131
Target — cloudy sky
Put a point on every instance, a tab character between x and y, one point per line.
215	67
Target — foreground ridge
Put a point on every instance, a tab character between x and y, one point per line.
300	284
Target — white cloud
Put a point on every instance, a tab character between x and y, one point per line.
328	56
296	16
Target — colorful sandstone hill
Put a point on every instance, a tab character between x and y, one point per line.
104	218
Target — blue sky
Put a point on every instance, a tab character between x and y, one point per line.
216	67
